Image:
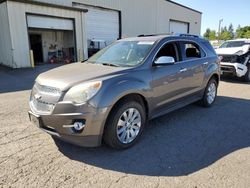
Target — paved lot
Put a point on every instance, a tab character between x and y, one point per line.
192	147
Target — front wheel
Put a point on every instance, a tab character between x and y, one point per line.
210	94
125	125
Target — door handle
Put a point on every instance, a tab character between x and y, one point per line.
183	70
206	63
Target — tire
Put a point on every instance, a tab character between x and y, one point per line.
210	93
116	127
247	75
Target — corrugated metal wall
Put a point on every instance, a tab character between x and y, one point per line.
144	16
19	31
5	40
138	17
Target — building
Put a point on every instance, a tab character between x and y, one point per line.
43	31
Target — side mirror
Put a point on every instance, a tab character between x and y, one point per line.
164	60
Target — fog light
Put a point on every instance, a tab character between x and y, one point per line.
78	126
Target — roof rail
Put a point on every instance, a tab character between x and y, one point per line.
146	35
188	35
170	34
151	35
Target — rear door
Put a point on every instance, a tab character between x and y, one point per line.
193	65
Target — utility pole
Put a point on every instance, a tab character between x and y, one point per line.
220	21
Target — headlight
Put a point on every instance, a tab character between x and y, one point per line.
82	92
239	52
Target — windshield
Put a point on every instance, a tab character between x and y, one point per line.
123	53
233	44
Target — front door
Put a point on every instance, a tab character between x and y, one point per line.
168	80
36	46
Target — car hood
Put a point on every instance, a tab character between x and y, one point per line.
67	76
232	51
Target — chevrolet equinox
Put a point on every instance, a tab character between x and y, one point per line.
111	96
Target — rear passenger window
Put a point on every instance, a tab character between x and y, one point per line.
191	51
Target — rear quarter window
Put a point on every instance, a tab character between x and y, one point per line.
209	47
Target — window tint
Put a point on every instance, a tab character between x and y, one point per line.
233	44
169	49
192	51
209	47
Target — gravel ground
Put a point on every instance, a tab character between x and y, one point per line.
191	147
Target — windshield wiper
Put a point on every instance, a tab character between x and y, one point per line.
110	64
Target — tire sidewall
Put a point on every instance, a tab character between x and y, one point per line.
205	98
113	121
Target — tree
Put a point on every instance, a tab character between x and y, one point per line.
210	34
231	30
243	32
247	34
226	35
223	29
207	33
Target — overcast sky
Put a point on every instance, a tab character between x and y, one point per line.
235	12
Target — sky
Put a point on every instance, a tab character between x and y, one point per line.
231	11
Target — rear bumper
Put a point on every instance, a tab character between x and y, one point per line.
235	69
56	124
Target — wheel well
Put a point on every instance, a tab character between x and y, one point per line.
134	97
216	77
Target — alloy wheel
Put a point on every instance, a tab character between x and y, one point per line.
211	93
129	125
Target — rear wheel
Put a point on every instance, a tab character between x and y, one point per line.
247	75
210	94
125	125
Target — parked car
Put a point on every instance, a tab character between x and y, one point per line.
235	58
112	95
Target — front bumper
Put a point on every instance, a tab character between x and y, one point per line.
65	114
236	69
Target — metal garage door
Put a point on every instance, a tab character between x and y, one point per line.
46	22
102	24
179	27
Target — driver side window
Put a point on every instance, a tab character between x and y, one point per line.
169	49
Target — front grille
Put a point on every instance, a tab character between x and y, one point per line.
233	59
229	59
41	106
44	98
48	89
228	68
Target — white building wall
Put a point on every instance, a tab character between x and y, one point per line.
5	39
178	13
19	32
138	17
144	16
